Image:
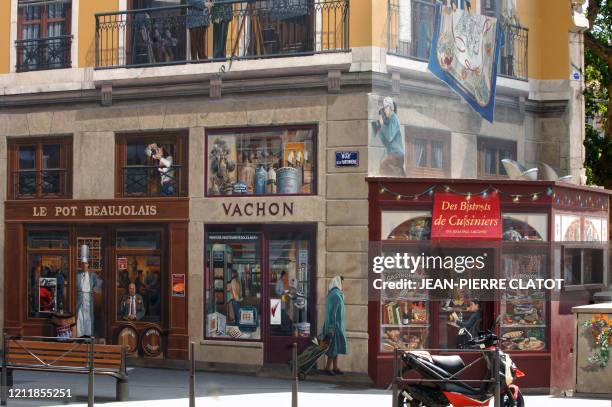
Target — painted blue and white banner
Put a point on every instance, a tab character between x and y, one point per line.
464	54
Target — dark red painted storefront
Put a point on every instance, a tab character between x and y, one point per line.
550	367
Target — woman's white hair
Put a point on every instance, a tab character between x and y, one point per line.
335	282
388	101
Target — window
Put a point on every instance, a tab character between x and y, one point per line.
47	262
139	276
151	165
233	285
44	38
583	266
261	162
290	282
40	168
428	152
490	154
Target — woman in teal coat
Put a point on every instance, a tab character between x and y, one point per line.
334	326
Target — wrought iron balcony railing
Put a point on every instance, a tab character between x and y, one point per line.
43	53
149	181
230	30
40	183
410	35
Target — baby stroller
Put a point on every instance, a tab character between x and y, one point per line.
309	357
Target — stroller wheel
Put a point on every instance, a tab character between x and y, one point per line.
302	376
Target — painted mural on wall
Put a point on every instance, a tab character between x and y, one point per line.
464	54
388	130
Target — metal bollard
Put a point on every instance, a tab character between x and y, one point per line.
294	387
192	374
4	383
90	384
395	392
497	388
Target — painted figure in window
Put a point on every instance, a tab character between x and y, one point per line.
86	284
235	291
247	174
166	172
221	166
387	127
132	305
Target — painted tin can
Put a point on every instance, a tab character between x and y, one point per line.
288	180
260	181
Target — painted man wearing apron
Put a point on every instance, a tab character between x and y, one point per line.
86	283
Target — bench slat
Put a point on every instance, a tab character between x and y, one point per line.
62	346
67	353
64	361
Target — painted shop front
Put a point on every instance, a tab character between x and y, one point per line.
519	231
260	257
136	269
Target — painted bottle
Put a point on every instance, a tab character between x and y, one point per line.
260	180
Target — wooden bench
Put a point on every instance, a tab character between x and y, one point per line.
67	356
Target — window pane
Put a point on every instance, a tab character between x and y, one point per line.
437	156
51	156
420	153
27	157
233	285
48	240
145	240
272	162
593	266
31	12
139	288
47	277
289	283
490	164
571	266
57	10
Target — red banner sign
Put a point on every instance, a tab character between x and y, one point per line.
466	217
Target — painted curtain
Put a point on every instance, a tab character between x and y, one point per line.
464	54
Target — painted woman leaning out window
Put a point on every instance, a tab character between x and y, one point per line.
166	173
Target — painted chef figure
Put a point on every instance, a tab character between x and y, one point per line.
86	284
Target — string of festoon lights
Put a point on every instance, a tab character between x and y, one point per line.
484	193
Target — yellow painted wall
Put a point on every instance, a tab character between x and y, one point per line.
5	32
549	22
87	28
360	23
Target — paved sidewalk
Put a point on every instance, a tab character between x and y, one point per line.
161	387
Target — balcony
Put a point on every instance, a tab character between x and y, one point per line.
410	35
147	181
232	30
43	53
31	184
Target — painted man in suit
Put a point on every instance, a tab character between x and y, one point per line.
132	305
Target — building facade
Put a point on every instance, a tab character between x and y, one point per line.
200	154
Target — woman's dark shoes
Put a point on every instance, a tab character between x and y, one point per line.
330	372
338	372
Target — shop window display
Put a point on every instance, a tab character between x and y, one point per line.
269	162
404	314
47	273
523	311
139	276
233	286
583	266
518	227
403	225
290	283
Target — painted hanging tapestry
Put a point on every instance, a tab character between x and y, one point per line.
464	54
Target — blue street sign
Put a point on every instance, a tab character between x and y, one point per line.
347	158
